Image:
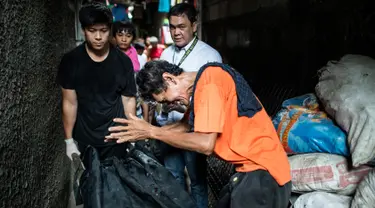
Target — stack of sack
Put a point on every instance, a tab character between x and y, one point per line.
331	145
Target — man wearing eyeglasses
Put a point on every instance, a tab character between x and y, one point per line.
189	53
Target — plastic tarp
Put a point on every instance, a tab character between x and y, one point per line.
138	181
304	128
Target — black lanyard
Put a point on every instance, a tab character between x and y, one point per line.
187	52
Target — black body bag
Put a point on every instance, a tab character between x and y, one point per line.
136	181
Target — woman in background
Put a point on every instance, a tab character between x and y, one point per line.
124	34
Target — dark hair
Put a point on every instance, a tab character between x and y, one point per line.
139	46
95	13
150	79
125	26
184	9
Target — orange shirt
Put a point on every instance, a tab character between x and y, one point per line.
249	143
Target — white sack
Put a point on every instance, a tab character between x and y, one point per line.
365	194
322	200
347	91
324	172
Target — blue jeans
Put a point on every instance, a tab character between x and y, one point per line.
196	165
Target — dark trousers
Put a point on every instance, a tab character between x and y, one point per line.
196	165
255	189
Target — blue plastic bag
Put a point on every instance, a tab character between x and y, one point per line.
303	128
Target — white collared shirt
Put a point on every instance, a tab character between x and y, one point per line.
199	56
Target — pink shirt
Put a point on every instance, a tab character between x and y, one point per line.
132	53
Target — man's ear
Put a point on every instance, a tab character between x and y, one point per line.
195	26
169	78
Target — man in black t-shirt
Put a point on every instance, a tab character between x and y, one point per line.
97	84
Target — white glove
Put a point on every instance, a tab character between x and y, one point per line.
71	148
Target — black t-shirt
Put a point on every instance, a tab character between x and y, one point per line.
99	86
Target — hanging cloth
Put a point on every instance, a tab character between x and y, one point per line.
164	6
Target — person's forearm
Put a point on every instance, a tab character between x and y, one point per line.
69	118
198	142
145	111
129	105
151	114
178	127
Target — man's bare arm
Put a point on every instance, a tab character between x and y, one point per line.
180	126
145	111
133	129
176	135
69	108
129	105
200	142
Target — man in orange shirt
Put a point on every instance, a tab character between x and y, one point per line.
227	119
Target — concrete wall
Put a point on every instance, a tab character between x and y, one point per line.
287	41
33	36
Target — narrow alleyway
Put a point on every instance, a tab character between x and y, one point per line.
277	45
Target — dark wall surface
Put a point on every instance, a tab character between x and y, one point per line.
279	45
287	41
33	36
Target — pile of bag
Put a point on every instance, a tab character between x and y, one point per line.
346	89
329	158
